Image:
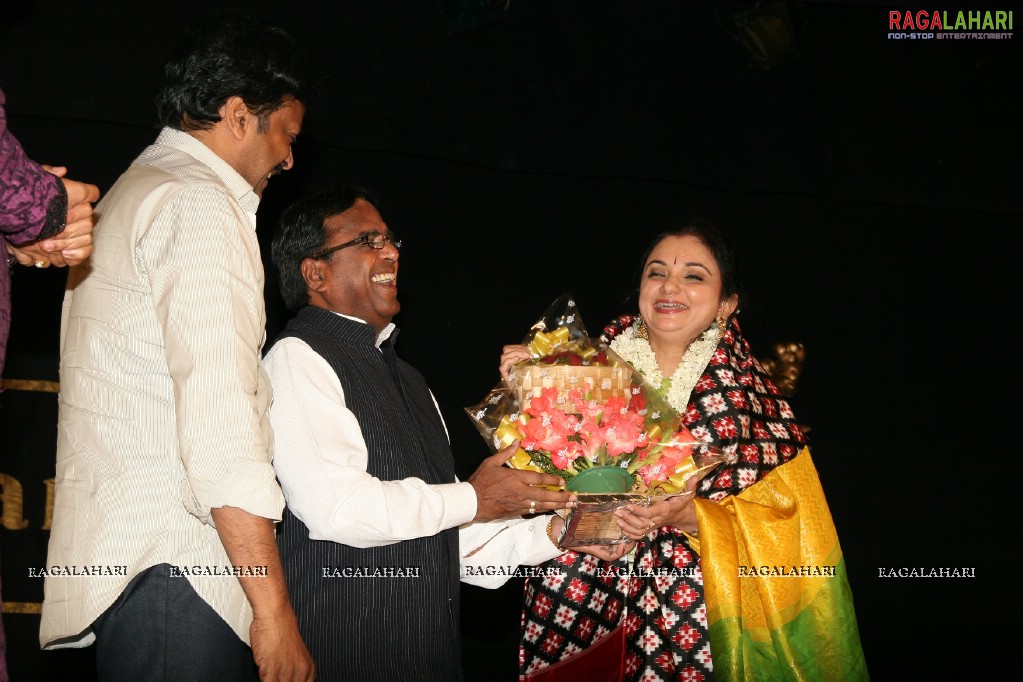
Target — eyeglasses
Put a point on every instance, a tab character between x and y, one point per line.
374	240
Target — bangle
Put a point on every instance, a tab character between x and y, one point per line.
550	533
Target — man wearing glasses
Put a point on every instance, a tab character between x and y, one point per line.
377	525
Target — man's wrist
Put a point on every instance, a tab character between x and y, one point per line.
556	541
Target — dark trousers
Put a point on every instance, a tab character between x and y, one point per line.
159	629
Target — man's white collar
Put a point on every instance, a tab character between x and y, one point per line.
381	337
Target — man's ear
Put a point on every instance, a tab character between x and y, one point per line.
312	273
236	114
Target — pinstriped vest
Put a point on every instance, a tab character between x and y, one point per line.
383	628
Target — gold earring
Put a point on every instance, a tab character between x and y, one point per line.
641	330
722	323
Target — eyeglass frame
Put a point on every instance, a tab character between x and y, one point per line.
363	238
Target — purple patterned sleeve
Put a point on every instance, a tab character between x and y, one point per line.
33	203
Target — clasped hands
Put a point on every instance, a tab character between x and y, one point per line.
74	244
637	521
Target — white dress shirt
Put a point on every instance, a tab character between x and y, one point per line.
162	397
320	458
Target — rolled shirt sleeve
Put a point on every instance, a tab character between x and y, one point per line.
202	261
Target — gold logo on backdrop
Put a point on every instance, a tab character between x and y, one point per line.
12	503
31	385
12	494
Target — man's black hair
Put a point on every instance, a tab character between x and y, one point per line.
301	233
230	54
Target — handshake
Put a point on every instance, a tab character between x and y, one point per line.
74	243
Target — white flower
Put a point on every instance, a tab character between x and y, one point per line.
680	386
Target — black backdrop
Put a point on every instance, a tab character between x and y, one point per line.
871	185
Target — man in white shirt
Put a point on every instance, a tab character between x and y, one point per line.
378	530
163	521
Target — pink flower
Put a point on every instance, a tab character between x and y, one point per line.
671	456
543	403
564	456
653	472
549	431
588	410
638	401
621	428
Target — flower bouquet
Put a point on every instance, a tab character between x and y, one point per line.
581	413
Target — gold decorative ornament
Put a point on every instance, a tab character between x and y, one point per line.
641	330
786	366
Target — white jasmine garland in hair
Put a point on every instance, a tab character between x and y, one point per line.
677	388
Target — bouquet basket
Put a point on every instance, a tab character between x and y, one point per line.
597	382
582	413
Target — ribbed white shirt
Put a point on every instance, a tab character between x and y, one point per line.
162	396
320	457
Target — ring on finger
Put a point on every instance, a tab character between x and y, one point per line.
532	506
41	264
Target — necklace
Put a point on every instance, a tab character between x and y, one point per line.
679	386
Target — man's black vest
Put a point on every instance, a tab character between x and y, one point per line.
360	629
